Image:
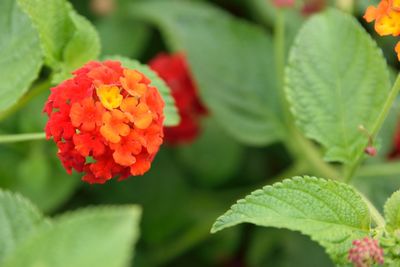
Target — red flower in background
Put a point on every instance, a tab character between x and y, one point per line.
175	72
395	153
106	121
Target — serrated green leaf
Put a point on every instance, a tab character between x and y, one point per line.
331	213
392	211
83	46
337	79
53	23
232	63
101	237
171	115
18	220
20	53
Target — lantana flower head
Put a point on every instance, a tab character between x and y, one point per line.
386	18
366	252
174	70
107	121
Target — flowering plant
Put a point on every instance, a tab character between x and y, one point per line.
296	98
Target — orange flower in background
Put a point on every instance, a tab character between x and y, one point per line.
174	70
107	121
386	17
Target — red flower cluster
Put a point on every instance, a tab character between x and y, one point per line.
395	153
366	252
106	121
174	71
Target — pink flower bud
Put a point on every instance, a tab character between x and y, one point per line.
366	252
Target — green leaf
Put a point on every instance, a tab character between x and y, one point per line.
171	115
18	220
35	177
122	36
20	53
51	18
83	46
331	213
337	79
232	63
101	237
392	211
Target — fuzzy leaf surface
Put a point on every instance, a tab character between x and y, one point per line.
331	213
18	220
51	19
100	237
20	53
392	211
337	79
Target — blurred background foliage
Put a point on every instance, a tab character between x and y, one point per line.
189	185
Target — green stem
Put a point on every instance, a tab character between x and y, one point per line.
349	172
12	138
380	169
279	42
304	149
33	92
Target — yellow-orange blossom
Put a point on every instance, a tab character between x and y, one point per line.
387	19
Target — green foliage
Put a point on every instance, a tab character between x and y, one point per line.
232	63
18	220
337	80
83	46
20	53
38	174
331	213
35	178
392	212
89	237
51	18
68	39
122	36
170	111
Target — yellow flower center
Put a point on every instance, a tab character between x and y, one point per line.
109	96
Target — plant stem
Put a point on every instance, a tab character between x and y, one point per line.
33	92
12	138
349	172
279	42
380	169
304	149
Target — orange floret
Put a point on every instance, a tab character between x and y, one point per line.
114	126
397	49
126	150
133	83
139	114
387	18
86	115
